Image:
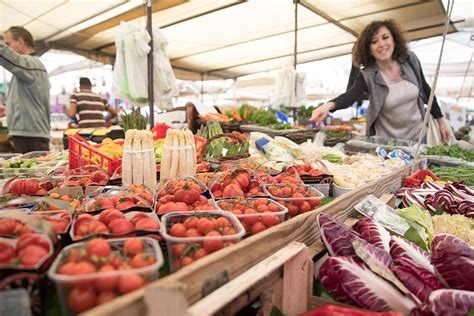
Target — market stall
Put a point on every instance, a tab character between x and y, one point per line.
246	211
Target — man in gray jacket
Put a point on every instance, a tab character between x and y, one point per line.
28	114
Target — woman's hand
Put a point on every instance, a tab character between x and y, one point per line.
320	113
444	129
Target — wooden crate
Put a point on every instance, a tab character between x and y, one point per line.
209	273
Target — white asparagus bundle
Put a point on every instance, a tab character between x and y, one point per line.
181	154
148	162
166	157
127	171
190	154
137	157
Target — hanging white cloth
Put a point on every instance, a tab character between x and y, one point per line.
284	93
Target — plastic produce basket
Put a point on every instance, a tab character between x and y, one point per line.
183	251
296	206
82	153
265	216
92	286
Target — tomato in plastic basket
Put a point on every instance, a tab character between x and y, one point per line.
81	299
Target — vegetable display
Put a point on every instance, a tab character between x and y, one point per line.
449	302
454	173
451	151
138	163
179	155
453	261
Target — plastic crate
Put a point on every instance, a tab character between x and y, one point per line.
82	153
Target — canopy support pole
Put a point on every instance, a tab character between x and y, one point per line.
150	63
295	56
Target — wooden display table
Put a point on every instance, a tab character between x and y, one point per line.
194	283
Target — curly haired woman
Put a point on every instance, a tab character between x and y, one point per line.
394	80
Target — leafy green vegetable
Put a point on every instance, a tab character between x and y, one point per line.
451	151
336	134
455	173
134	120
412	235
420	216
332	158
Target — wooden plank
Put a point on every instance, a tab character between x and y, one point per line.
237	259
297	283
228	292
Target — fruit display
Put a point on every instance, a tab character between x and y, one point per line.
191	236
235	183
13	227
121	200
90	273
113	223
29	251
255	214
30	186
297	198
182	195
59	220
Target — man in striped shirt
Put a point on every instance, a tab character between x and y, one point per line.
89	106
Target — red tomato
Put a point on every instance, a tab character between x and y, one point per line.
147	224
193	232
201	252
314	203
178	230
142	260
137	217
243	179
205	225
31	186
272	207
213	242
31	255
221	223
173	207
305	207
7	253
68	268
81	299
98	247
8	226
186	195
262	208
228	231
17	187
110	214
133	246
106	282
121	226
269	219
258	202
292	209
105	297
257	228
178	250
84	267
130	282
232	190
75	255
252	217
185	261
28	239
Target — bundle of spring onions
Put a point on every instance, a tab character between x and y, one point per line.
138	162
179	155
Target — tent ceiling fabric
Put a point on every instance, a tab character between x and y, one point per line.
225	38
